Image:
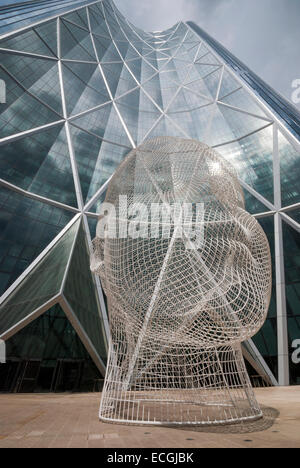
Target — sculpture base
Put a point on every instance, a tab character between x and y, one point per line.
211	388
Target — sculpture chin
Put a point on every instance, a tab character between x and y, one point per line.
180	304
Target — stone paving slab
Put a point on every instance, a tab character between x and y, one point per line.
71	421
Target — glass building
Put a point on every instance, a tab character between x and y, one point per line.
81	86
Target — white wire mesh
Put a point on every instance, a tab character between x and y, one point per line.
179	308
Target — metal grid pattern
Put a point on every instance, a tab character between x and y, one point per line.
178	308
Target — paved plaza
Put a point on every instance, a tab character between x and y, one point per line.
71	420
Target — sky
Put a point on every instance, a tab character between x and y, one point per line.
264	34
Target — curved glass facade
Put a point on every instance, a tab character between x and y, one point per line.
83	87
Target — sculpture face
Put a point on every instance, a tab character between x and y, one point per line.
209	289
187	274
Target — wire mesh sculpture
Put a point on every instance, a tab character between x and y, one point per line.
187	274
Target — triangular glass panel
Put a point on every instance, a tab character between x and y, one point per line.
212	83
97	12
169	66
84	87
119	36
197	71
80	292
49	357
181	30
119	78
143	48
183	71
191	46
112	72
122	47
166	51
169	84
191	51
48	33
194	123
21	111
168	94
109	15
77	19
152	62
41	285
98	24
104	123
289	171
191	37
126	83
109	157
40	163
146	72
135	67
38	76
162	63
82	13
95	122
207	87
106	50
76	43
86	148
184	55
95	160
137	103
186	100
27	41
114	30
252	158
242	100
131	54
83	37
228	85
229	124
27	227
253	205
161	55
203	51
146	121
294	214
90	74
152	88
208	59
165	127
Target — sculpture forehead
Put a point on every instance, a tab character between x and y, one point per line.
169	164
170	151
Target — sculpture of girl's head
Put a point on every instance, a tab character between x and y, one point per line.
180	259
